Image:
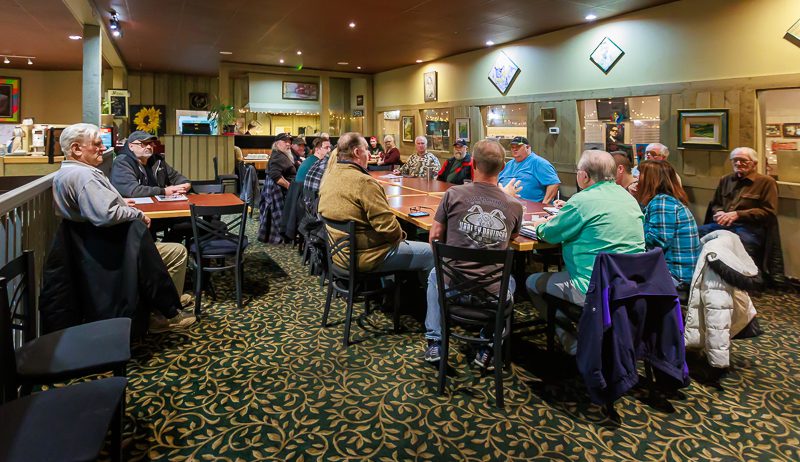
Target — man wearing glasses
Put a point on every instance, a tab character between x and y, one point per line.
653	151
138	172
745	202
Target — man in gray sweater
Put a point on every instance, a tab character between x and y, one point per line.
82	193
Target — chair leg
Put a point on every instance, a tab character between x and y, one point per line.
396	306
328	300
444	353
507	343
116	430
498	371
198	288
239	276
348	320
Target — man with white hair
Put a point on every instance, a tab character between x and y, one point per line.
745	202
422	163
653	151
602	217
82	193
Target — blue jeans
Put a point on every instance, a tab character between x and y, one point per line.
752	237
433	318
408	256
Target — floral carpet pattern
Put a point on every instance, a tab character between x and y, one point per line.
269	383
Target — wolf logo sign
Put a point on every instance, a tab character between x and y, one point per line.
485	228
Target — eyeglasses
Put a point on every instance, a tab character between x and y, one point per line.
419	208
144	144
738	160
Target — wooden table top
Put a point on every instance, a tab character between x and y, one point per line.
176	209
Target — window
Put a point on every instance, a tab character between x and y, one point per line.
780	127
505	122
437	129
621	124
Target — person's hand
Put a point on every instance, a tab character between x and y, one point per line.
539	221
146	220
726	218
184	188
559	203
130	202
512	188
396	171
173	190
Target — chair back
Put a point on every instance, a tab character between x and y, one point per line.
17	313
208	187
204	231
465	288
216	168
341	249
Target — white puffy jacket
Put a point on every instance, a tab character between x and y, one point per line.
718	311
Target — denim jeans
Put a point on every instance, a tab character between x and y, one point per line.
408	256
433	318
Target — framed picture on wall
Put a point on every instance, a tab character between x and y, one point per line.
198	101
606	55
503	73
615	137
118	100
10	99
151	118
548	114
772	129
462	129
430	83
359	100
703	129
793	34
408	129
301	90
791	130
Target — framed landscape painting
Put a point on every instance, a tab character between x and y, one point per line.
703	129
462	129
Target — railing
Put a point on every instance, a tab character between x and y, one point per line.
28	221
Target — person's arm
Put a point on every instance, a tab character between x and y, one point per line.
716	201
562	227
550	193
175	178
102	207
438	232
278	161
392	157
433	163
379	214
659	224
441	175
124	178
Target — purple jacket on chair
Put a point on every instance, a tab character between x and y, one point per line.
631	312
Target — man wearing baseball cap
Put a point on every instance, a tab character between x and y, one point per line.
299	150
532	176
139	172
459	167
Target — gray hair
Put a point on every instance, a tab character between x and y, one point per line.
389	138
598	165
77	133
348	143
745	151
420	137
659	148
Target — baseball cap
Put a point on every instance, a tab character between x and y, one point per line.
519	140
461	142
140	135
283	136
298	140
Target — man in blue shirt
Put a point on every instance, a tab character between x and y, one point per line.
534	174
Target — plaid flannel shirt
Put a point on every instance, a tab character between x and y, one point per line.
670	225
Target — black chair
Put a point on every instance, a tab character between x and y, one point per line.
87	349
350	283
467	301
67	423
225	178
218	248
208	187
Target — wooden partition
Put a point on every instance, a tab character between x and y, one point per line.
193	155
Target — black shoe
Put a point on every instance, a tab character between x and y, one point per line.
433	353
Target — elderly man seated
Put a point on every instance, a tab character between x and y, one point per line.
459	167
602	217
422	163
653	151
348	192
745	203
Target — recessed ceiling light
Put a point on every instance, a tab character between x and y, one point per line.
352	25
30	62
419	61
6	60
591	17
489	43
299	52
358	67
343	63
226	52
116	33
281	61
75	37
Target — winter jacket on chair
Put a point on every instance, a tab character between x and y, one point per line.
718	310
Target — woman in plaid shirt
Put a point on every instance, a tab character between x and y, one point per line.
668	223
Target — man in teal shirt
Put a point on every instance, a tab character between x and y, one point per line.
603	217
322	146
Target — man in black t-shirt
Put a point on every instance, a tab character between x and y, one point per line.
477	215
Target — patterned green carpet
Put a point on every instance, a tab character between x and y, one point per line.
267	382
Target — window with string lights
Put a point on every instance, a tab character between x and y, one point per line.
437	129
621	124
505	121
780	132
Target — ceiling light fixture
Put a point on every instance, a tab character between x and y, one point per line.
116	33
226	52
30	63
489	43
113	23
281	61
6	60
352	25
75	37
358	67
419	61
591	17
299	52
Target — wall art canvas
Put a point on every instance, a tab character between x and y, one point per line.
408	129
548	114
772	129
430	84
10	99
606	55
118	100
503	73
301	90
151	118
703	129
462	129
791	130
198	101
793	34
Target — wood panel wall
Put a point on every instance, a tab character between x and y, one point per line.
193	155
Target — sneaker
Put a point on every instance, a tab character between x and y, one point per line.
484	358
159	324
433	353
187	300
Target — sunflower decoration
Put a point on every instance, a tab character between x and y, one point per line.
148	119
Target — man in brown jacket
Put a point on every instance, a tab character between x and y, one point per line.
348	192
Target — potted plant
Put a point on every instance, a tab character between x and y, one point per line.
106	118
225	116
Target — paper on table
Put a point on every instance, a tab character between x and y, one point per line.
391	176
141	200
173	198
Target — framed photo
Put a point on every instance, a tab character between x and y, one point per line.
430	83
198	101
615	137
785	146
793	34
407	127
548	114
10	99
772	129
301	90
359	100
703	128
118	100
462	129
791	130
503	73
606	55
149	118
